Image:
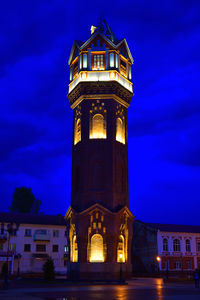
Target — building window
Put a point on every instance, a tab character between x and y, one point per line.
98	62
98	127
129	72
80	62
74	249
77	131
188	245
1	247
112	60
96	248
189	264
121	250
55	248
116	61
28	232
165	245
198	246
75	70
123	69
85	62
178	265
40	248
27	247
66	249
56	233
71	74
12	247
2	228
176	245
120	131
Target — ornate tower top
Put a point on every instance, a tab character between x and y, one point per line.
102	58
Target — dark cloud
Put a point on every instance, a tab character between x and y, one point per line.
36	120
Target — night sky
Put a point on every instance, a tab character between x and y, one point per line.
164	117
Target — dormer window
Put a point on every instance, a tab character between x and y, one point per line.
98	62
112	60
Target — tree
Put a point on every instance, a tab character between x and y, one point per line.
49	269
24	201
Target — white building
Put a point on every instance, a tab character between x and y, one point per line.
178	246
37	238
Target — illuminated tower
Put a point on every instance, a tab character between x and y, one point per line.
99	220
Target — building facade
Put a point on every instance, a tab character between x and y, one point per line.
33	239
99	220
177	248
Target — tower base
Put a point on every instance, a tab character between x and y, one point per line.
99	271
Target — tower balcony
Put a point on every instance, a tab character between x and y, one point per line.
107	75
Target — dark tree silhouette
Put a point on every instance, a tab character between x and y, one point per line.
24	201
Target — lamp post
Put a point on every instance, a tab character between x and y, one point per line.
158	260
120	271
18	261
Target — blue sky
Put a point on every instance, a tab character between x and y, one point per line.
164	117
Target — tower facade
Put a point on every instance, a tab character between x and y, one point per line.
99	220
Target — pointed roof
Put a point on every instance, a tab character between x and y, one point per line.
105	29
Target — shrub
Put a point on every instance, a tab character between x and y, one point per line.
49	269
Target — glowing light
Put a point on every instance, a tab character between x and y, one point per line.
92	29
120	131
121	250
158	258
77	131
101	76
97	248
112	75
98	130
84	76
74	250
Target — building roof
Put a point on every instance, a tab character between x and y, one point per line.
175	227
21	218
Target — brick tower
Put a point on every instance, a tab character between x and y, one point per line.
99	221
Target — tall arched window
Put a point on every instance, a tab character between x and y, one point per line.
74	250
165	245
188	245
98	127
120	131
121	249
77	131
176	245
96	248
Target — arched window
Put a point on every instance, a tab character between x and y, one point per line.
121	249
97	248
77	131
188	245
176	245
120	131
74	257
98	127
165	245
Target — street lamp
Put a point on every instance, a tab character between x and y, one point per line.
158	260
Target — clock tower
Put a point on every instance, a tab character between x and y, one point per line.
99	221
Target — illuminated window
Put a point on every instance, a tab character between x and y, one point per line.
120	131
97	248
98	127
71	74
80	62
121	250
77	131
165	245
176	245
98	62
188	245
116	61
129	72
112	60
74	250
84	61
